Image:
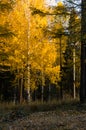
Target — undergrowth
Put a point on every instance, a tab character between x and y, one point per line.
37	106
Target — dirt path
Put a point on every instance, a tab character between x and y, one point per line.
52	120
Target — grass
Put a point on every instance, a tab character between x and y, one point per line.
8	109
27	108
39	106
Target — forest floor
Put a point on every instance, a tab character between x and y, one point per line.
61	117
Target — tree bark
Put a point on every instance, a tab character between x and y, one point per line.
83	53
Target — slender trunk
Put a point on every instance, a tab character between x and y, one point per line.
61	90
28	17
42	92
42	96
74	87
49	92
21	88
28	84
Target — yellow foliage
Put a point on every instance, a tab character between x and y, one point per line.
60	4
53	73
29	43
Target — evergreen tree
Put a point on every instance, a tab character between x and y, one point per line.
69	75
83	53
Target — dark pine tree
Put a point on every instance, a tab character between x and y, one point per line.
83	53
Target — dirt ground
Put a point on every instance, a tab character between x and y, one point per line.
49	120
